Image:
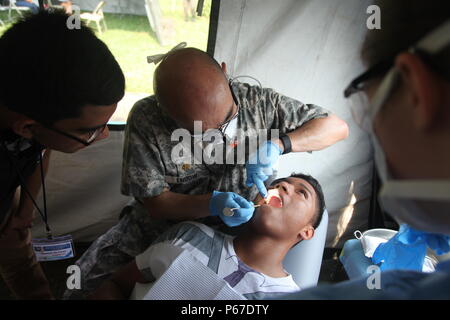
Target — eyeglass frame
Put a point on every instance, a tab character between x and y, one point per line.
223	127
384	66
86	143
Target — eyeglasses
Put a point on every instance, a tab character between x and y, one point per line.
359	102
93	135
427	49
360	82
223	127
360	105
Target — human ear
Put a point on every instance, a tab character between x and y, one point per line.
306	233
423	88
24	127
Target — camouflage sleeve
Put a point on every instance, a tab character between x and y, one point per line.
143	170
287	114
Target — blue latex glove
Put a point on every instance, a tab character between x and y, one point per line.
222	200
259	165
407	249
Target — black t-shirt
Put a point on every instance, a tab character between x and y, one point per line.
17	154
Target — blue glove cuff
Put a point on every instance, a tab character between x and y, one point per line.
274	145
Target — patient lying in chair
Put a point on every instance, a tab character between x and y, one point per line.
251	263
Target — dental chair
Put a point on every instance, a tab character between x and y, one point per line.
304	260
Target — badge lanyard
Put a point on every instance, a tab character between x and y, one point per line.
51	248
23	185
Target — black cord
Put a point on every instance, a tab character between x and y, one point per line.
23	185
44	196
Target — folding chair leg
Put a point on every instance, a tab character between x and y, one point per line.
20	13
99	27
104	23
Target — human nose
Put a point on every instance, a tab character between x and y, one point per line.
284	187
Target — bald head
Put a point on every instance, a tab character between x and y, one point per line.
191	86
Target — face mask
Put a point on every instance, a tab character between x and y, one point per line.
231	130
422	204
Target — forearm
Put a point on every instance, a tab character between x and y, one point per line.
120	285
18	264
176	206
109	290
317	134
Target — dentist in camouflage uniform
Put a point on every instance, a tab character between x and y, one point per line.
191	86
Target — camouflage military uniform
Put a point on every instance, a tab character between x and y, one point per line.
148	170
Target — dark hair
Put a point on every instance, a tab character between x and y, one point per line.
320	197
403	25
50	72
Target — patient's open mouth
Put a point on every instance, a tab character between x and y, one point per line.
273	198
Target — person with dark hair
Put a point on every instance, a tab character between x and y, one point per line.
28	4
252	262
73	87
407	92
192	89
320	205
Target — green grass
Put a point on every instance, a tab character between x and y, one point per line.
131	40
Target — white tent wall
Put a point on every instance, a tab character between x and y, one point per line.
83	190
308	50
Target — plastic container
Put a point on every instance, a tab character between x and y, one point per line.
372	238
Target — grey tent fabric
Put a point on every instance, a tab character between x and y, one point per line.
308	50
83	190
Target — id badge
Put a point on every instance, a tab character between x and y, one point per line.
58	248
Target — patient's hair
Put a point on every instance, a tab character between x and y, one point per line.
50	72
320	205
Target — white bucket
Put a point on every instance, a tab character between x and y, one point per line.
371	239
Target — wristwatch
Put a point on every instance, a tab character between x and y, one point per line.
286	141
